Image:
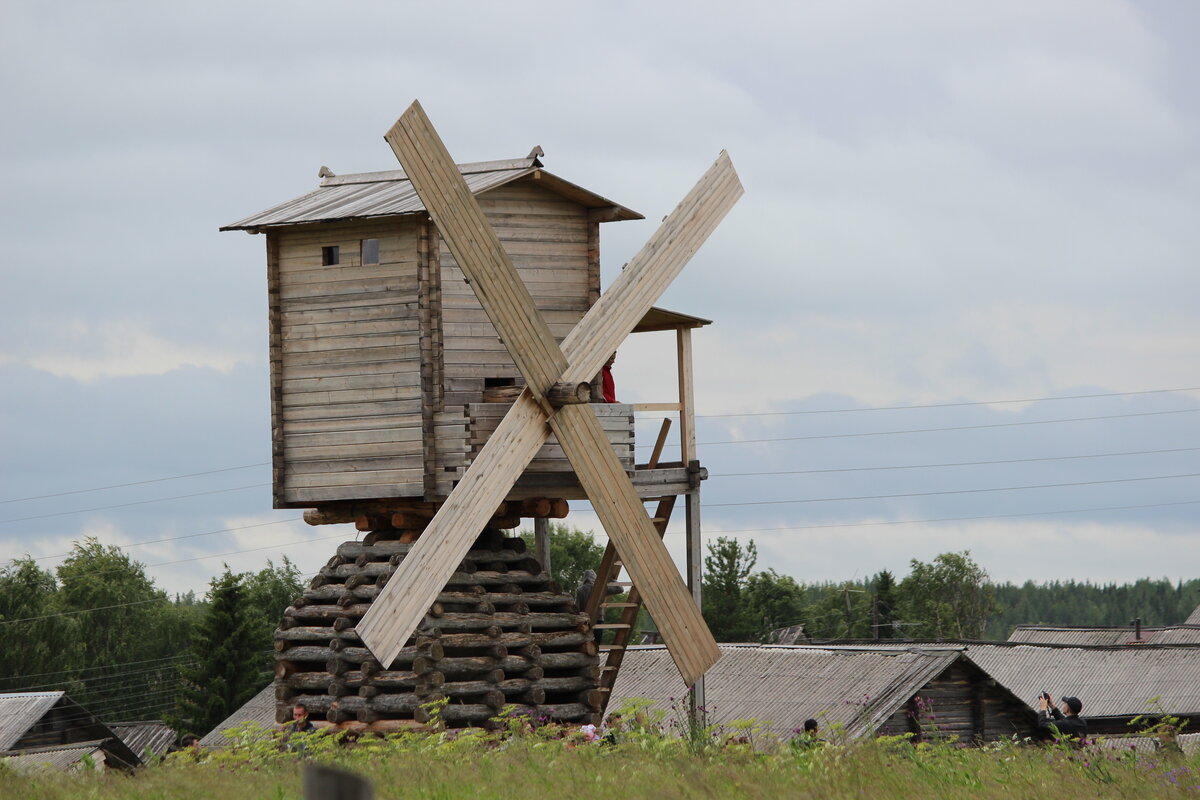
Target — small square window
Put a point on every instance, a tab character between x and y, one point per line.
370	251
330	255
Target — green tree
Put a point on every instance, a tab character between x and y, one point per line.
572	552
268	594
727	570
884	586
950	597
774	601
839	611
227	669
37	641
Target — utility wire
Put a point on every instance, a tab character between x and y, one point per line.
136	503
952	491
952	428
134	483
944	405
185	536
954	464
951	519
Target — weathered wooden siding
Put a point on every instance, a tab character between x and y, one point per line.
346	364
961	704
547	238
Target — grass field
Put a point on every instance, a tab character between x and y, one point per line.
540	765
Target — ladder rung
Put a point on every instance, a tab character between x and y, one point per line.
604	648
657	520
619	605
611	626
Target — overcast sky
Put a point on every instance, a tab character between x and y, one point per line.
950	205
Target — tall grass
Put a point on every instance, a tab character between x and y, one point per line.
540	765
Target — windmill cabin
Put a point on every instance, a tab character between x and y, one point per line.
383	361
396	404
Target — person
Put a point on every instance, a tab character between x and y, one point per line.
807	737
1067	720
608	388
300	722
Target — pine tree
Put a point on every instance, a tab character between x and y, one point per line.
227	665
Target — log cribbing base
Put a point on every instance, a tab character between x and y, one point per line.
500	633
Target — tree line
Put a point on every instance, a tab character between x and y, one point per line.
949	597
98	627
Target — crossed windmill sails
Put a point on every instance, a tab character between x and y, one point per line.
402	604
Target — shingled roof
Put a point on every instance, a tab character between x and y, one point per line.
385	194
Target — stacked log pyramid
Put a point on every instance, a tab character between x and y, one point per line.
501	633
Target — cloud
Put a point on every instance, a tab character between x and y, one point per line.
115	348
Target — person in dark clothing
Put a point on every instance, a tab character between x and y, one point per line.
1067	720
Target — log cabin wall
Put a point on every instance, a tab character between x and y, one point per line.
346	373
960	704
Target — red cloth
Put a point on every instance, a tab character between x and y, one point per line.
607	387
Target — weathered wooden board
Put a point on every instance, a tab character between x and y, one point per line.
625	520
477	250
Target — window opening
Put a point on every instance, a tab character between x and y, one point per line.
370	251
330	255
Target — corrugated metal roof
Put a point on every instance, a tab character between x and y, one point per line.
384	194
259	709
1118	681
786	685
1194	619
61	757
1104	637
152	735
19	711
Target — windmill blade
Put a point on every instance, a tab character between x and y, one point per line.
477	249
647	275
401	605
624	518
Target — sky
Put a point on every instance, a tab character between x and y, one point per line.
955	309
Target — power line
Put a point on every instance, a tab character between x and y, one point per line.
953	428
185	536
953	491
954	519
134	483
955	464
947	405
136	503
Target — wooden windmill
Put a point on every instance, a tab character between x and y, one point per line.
548	371
427	410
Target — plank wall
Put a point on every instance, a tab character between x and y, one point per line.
966	706
547	238
346	363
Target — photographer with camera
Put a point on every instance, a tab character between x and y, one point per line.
1066	721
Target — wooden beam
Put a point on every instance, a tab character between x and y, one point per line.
477	249
401	606
624	518
647	275
687	396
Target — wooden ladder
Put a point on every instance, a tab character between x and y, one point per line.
610	567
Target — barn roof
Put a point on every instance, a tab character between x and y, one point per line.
1116	681
384	194
153	735
1194	619
259	709
20	711
1111	636
112	752
785	685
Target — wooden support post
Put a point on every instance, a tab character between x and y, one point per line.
687	396
656	454
541	540
695	571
